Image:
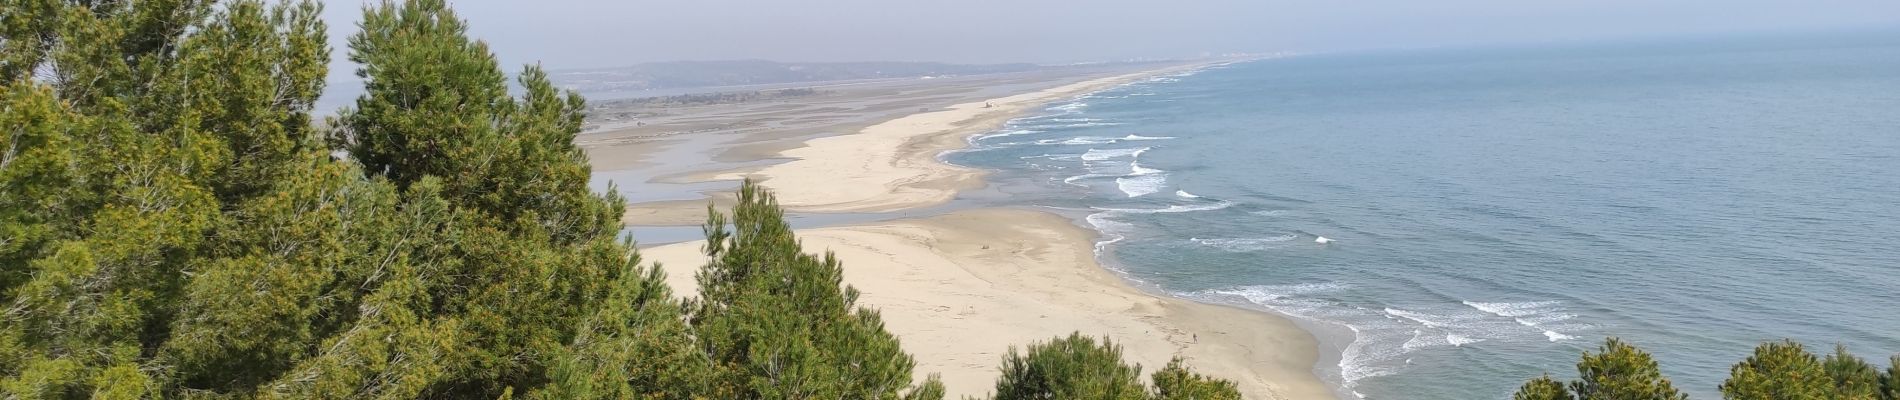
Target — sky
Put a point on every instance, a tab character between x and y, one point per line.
575	34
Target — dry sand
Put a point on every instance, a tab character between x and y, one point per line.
893	165
960	289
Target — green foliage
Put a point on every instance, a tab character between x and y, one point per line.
1619	371
1178	382
1542	388
1778	370
776	322
1890	381
1853	379
174	226
1074	367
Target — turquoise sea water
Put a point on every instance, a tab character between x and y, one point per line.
1495	212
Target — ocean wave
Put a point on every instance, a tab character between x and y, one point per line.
1112	231
1054	156
1141	184
1554	336
1429	320
1171	209
1541	319
1140	137
1544	317
1377	345
1008	133
1137	170
1076	106
1267	294
1078	140
1517	309
1185	195
1108	154
1270	213
1243	245
1460	340
1078	178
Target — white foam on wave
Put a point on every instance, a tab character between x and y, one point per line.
1428	320
1078	178
1008	133
1112	231
1178	208
1084	125
1243	245
1134	164
1555	337
1270	213
1076	106
1109	154
1383	339
1540	315
1535	320
1185	195
1517	309
1375	344
1054	156
1135	169
1267	294
1078	140
1141	184
1140	137
1421	340
1460	340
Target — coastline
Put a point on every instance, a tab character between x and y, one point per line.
961	289
964	288
894	165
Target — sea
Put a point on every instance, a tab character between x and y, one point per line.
1489	214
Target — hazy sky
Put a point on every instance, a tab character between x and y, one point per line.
568	34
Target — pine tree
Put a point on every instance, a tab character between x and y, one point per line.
636	347
1073	367
90	282
1778	370
778	323
1542	388
1853	379
175	226
1178	382
1619	371
1890	381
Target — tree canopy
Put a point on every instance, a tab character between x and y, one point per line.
1781	370
173	223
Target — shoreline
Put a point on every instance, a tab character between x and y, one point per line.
962	289
967	286
895	164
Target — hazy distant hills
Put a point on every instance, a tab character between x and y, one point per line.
693	74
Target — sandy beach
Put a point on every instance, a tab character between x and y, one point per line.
893	165
963	288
